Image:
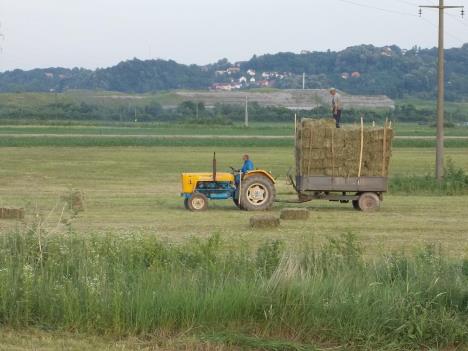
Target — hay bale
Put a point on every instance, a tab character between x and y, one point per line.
75	200
322	149
11	213
294	214
264	221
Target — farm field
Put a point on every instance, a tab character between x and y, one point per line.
137	189
171	129
134	192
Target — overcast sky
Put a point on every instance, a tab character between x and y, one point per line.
100	33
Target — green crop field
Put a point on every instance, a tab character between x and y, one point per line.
135	270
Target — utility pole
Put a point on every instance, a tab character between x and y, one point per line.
246	121
441	89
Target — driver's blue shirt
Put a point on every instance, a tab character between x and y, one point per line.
248	166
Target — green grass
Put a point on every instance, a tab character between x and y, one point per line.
132	205
135	285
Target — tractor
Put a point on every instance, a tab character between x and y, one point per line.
250	191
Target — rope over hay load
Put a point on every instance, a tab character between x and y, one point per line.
324	150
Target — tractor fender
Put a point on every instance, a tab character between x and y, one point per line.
260	172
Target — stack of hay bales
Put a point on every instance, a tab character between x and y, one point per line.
324	150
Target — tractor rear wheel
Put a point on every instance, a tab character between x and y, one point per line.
368	202
257	193
197	202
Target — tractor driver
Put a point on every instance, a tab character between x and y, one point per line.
246	167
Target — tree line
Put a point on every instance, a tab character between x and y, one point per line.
378	70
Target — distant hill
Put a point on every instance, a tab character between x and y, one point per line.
364	70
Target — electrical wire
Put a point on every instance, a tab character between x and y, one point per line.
401	13
378	8
408	3
448	33
457	19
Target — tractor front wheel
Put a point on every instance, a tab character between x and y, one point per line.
257	193
197	202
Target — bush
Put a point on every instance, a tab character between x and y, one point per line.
455	182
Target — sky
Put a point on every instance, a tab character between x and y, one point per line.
101	33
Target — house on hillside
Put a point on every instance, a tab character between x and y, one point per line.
355	75
222	86
233	70
252	80
242	80
345	75
251	72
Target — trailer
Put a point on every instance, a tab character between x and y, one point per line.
365	193
364	184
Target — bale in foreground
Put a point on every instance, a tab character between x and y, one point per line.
264	221
295	213
11	213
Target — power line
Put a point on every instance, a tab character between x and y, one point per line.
395	12
378	8
457	19
407	2
448	33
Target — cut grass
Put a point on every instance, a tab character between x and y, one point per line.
138	189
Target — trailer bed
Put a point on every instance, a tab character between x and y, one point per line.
341	184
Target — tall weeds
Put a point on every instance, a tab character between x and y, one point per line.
136	284
455	182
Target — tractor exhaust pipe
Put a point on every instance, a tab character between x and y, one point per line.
214	167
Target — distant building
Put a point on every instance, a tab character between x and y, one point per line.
264	83
387	51
355	75
233	70
252	80
49	75
222	86
220	73
242	80
226	86
345	75
251	72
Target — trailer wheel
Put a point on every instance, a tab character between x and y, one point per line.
257	193
369	202
197	202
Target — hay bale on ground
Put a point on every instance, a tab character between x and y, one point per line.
264	221
11	213
75	200
295	213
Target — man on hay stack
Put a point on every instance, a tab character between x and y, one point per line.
337	106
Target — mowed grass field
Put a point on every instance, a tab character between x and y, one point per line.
137	189
133	191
